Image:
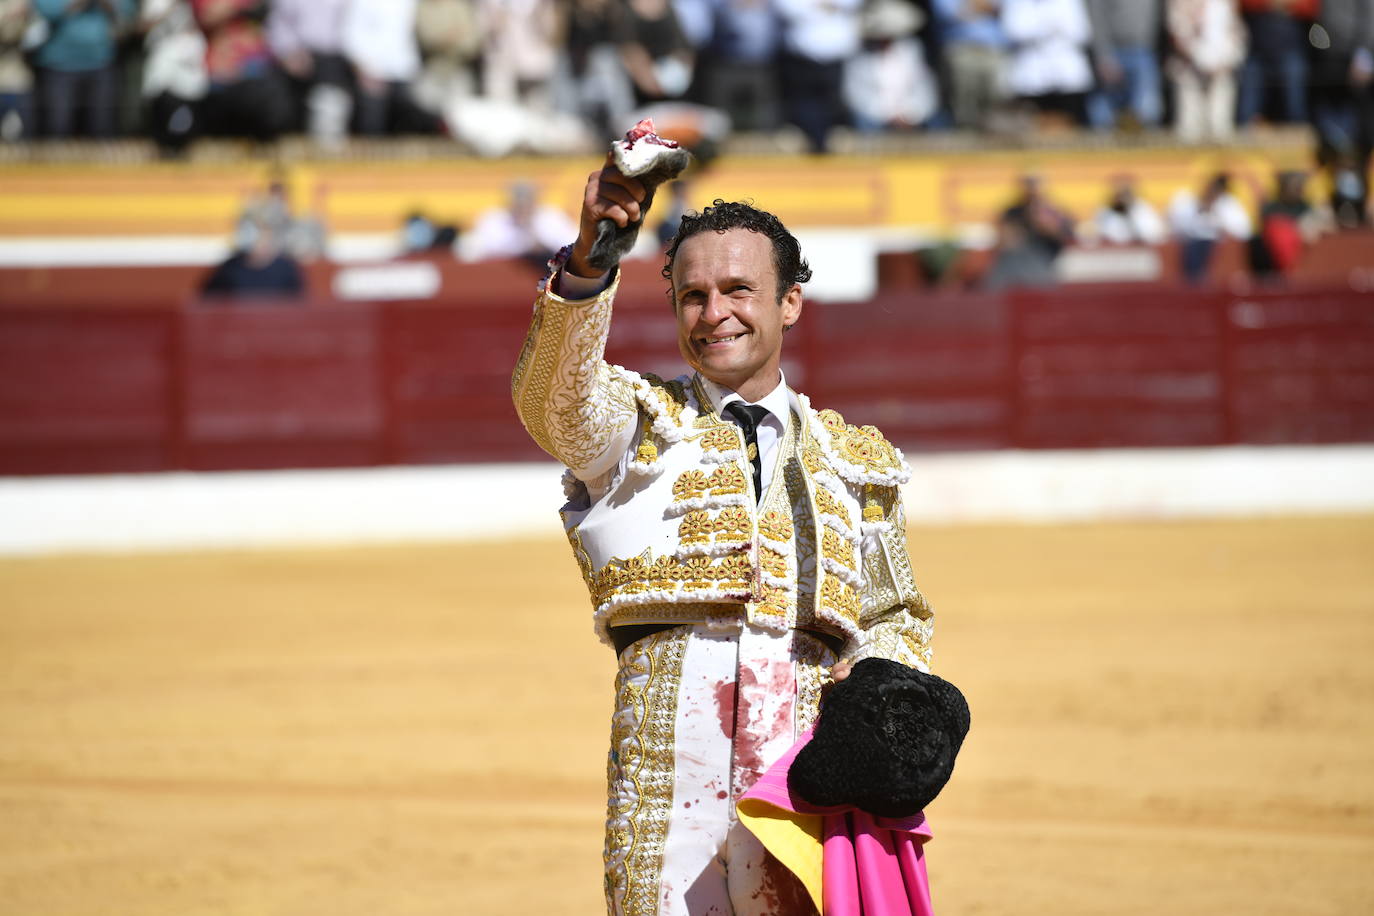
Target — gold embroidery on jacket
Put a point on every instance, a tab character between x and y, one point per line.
728	479
733	525
773	563
696	528
565	393
639	770
775	526
839	598
638	576
690	485
720	439
827	504
834	547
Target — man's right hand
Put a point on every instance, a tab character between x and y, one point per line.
609	195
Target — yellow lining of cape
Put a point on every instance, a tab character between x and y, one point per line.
793	839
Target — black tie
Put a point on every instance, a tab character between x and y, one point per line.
749	416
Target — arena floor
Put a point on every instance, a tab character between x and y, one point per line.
1167	717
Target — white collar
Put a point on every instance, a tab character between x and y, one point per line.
777	402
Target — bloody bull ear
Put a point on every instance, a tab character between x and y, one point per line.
645	155
885	742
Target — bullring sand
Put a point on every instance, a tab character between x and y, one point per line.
1167	717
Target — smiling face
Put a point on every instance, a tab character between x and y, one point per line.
729	317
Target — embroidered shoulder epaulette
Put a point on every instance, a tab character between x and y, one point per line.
664	401
861	454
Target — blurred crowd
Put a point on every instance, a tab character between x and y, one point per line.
505	75
273	244
1033	232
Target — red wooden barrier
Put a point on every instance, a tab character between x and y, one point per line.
123	388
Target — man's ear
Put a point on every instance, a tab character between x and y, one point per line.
791	306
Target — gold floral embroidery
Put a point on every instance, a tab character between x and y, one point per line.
697	573
775	526
637	576
696	527
773	563
814	461
728	479
827	504
735	568
772	602
720	439
690	485
833	547
839	598
865	446
733	524
831	420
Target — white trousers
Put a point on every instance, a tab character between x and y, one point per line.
700	714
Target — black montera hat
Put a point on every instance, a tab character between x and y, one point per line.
885	743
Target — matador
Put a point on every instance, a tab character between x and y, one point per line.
741	547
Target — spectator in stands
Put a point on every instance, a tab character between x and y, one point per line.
592	80
306	36
521	50
174	76
379	41
76	63
1277	61
422	236
1048	66
1342	93
303	237
888	85
524	228
248	95
1350	191
260	270
1031	234
741	77
1125	50
1288	223
698	21
1127	219
655	51
16	79
1209	44
974	49
1200	221
450	41
818	36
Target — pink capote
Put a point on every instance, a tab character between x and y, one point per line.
872	866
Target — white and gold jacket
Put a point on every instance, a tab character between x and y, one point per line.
663	519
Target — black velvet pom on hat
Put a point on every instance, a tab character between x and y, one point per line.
885	742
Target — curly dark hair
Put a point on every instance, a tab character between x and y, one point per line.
724	215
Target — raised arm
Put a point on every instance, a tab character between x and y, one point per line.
574	405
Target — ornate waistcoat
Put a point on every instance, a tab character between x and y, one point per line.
679	536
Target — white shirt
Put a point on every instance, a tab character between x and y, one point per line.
1049	46
497	235
770	431
825	31
1139	224
379	38
1227	217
